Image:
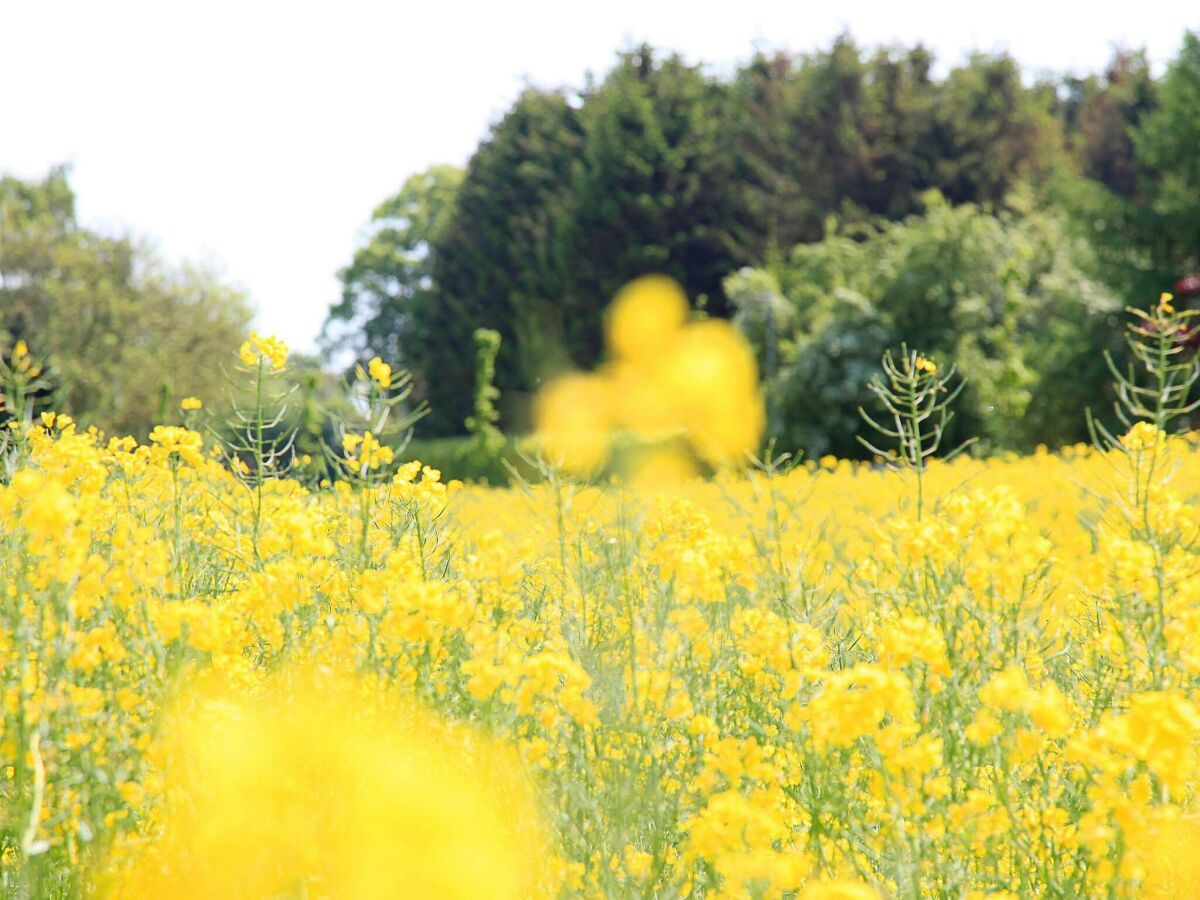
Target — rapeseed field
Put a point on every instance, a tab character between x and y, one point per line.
223	676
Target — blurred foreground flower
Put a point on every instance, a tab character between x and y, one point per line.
574	421
1164	852
666	378
313	786
838	890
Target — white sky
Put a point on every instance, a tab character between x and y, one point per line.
259	136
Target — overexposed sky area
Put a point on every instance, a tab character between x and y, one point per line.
257	137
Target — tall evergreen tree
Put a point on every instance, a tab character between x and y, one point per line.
835	133
1138	201
653	191
903	102
504	261
1166	143
800	126
1100	113
991	131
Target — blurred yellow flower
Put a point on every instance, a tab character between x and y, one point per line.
573	419
663	467
711	359
316	786
191	403
644	317
666	378
838	890
714	380
1171	862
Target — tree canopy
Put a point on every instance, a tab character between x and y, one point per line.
663	166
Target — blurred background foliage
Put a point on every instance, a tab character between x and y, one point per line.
833	203
985	215
1007	296
124	335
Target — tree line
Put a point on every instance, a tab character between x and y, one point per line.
833	203
1080	195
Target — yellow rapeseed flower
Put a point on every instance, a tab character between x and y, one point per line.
1142	436
187	444
364	452
791	676
381	372
257	347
